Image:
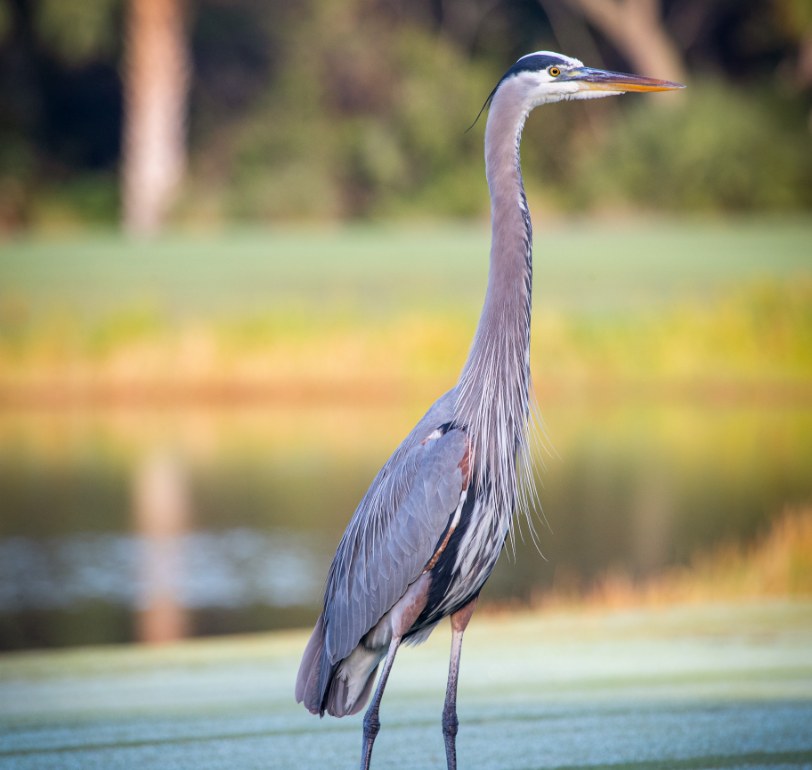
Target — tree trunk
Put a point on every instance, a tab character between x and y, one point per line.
156	75
636	29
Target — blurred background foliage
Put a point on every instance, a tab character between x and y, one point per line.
357	109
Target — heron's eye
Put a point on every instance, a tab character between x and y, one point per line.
553	72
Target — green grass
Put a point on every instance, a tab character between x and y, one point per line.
578	264
668	304
708	686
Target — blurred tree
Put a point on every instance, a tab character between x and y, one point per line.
795	17
60	110
78	32
361	133
156	83
636	29
464	21
330	108
719	149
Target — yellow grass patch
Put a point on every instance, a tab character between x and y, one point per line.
776	565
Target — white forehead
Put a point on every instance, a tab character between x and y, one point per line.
568	61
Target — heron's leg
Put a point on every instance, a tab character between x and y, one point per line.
371	722
459	622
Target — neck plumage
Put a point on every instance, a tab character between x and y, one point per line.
492	398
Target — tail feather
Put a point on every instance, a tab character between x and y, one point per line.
342	700
351	681
307	680
339	689
364	696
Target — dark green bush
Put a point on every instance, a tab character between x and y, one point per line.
368	121
717	148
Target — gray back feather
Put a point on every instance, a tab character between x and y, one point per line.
394	531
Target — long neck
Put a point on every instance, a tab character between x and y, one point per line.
493	387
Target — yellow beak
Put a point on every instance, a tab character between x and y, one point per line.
604	80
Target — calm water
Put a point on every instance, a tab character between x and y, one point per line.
128	525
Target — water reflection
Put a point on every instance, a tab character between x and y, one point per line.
123	525
161	514
160	578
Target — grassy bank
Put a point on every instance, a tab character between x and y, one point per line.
365	313
777	565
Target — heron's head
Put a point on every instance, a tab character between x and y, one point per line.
545	77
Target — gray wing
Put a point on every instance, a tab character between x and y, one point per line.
391	537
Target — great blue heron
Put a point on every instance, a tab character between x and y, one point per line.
429	530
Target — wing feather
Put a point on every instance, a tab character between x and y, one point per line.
392	536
